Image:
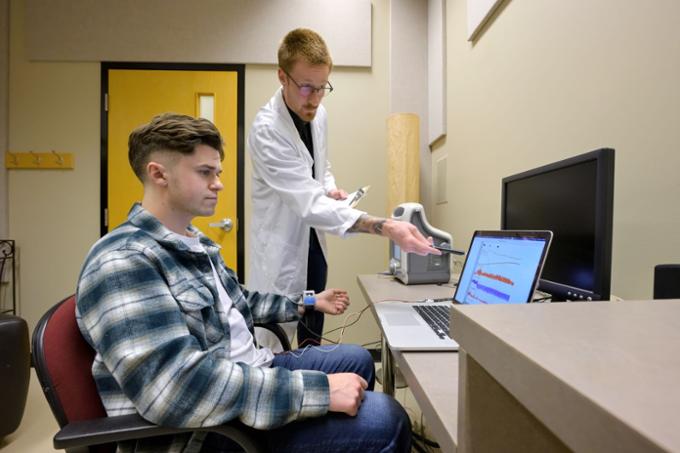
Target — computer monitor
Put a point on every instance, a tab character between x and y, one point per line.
574	198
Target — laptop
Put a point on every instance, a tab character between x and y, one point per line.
501	267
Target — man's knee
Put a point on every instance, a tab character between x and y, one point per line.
359	354
389	420
361	362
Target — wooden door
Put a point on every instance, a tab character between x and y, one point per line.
132	96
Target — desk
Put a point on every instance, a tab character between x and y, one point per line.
582	376
431	376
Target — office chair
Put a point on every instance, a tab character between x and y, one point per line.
15	368
63	362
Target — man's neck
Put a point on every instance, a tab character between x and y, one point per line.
170	219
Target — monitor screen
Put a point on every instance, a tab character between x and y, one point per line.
574	199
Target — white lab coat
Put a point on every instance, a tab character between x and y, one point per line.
287	201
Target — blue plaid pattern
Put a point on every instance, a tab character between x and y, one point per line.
145	303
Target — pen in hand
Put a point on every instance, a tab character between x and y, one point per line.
445	248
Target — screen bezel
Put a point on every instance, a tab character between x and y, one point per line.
545	236
604	209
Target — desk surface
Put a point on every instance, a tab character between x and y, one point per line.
602	376
431	376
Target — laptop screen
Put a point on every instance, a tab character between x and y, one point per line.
502	267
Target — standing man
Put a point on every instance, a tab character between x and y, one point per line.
295	198
172	327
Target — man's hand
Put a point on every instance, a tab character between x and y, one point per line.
346	391
332	301
405	234
337	194
408	237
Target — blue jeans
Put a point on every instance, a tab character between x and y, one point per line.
381	425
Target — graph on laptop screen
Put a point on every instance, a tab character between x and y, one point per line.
500	270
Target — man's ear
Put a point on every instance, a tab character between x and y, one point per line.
282	76
156	174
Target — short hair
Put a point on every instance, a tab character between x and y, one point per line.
170	132
306	44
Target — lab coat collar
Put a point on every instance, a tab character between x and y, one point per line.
282	111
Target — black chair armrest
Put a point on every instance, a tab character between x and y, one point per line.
128	427
277	330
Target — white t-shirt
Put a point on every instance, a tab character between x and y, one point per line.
242	344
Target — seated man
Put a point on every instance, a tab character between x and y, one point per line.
173	329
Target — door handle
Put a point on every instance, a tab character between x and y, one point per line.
224	224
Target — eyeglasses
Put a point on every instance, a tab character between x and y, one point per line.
306	90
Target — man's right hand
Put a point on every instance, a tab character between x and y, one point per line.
405	234
409	238
346	391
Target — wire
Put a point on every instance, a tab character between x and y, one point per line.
297	354
341	328
416	446
448	285
386	274
360	313
424	439
406	301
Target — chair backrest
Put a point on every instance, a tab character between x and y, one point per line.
667	281
15	371
63	362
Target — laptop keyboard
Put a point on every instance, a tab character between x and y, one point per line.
437	317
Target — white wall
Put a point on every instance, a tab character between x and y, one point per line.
549	80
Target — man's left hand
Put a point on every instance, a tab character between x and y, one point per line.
332	301
337	194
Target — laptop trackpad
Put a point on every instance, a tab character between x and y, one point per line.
401	319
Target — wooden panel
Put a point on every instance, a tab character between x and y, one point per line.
492	420
403	171
601	376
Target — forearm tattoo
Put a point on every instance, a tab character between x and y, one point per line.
368	224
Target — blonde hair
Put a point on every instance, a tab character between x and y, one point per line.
306	44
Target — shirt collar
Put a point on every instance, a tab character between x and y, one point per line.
299	123
145	221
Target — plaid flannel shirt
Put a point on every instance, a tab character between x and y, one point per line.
145	303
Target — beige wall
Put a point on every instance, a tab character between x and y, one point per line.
550	79
546	81
192	32
54	215
4	107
